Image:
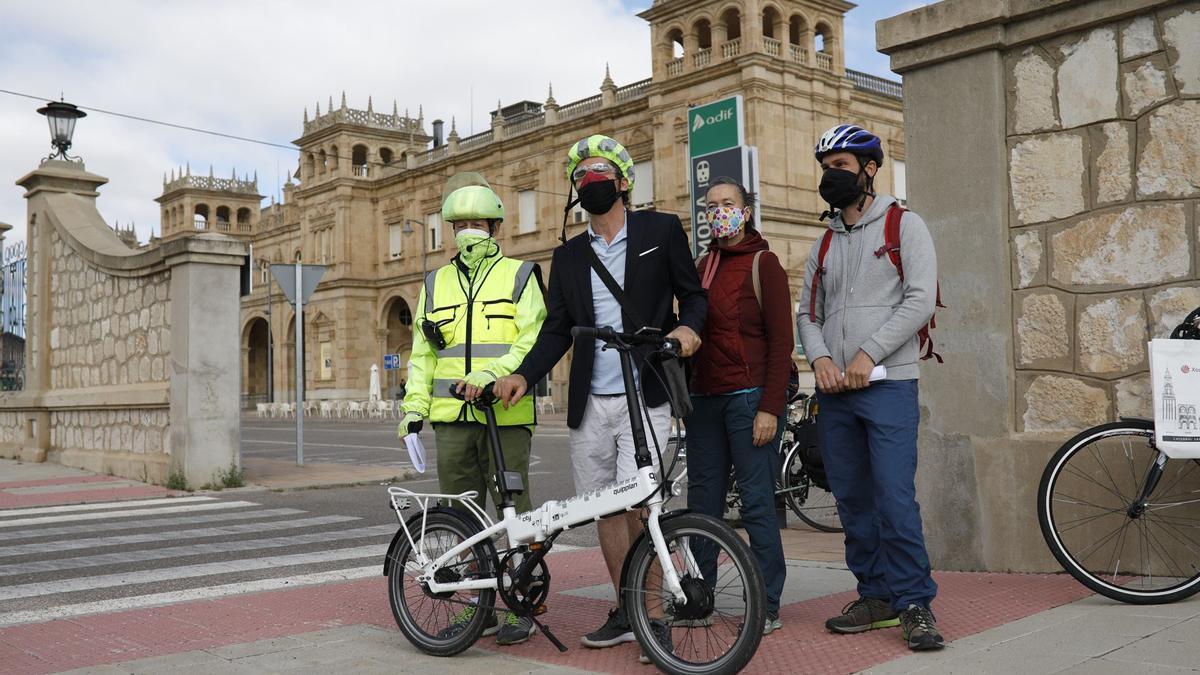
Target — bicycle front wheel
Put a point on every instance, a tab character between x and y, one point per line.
1104	534
813	504
719	627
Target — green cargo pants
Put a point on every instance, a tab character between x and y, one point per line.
464	460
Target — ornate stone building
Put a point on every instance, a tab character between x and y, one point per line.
370	184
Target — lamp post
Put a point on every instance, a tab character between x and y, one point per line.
61	116
424	248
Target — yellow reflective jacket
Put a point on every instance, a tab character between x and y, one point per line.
490	318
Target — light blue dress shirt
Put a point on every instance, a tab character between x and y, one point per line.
606	368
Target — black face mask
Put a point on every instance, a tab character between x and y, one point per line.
840	187
597	198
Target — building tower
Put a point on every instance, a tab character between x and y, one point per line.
1168	397
192	204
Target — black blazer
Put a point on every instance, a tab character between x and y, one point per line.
658	270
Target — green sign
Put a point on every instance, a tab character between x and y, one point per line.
715	126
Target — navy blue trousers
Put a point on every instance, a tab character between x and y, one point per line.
720	434
869	446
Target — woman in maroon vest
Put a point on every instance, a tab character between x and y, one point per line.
739	381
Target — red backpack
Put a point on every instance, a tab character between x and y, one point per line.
891	246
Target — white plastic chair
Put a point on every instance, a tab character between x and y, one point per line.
354	409
326	409
261	408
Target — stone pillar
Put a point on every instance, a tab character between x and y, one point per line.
205	314
1054	247
691	46
52	177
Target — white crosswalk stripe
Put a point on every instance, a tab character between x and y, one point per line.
64	561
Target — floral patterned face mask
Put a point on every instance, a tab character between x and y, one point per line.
726	221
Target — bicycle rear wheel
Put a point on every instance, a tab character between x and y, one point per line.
720	626
813	504
1103	534
441	624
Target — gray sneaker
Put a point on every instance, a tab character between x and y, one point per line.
662	635
461	620
862	615
920	629
614	631
514	630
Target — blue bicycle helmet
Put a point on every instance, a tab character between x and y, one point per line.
853	139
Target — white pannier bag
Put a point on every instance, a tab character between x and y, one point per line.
1175	378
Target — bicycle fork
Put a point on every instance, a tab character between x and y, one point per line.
670	576
1153	475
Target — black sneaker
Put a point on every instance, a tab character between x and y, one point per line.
515	630
614	631
662	635
920	629
461	620
862	615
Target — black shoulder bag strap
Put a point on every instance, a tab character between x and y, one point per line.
671	368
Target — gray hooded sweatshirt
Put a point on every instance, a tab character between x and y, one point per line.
861	302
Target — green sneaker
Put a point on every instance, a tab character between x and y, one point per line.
862	615
460	621
515	630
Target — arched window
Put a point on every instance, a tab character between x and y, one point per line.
770	20
822	38
310	166
797	27
732	19
675	40
385	155
222	217
200	217
358	161
333	159
703	31
322	162
243	219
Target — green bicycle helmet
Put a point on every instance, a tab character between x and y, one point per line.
599	145
468	196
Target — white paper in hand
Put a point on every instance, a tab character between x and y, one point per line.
878	373
416	452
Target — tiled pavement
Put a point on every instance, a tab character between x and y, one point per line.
997	623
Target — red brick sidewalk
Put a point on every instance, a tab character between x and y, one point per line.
17	494
968	603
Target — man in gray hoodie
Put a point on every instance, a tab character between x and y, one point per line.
858	312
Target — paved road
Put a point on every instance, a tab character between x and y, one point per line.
374	442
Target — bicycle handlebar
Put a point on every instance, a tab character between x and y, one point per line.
488	397
613	338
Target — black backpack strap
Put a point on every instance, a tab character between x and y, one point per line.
611	284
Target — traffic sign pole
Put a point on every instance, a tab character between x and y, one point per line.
298	286
299	368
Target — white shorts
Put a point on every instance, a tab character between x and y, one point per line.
602	447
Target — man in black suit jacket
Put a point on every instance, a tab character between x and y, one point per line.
647	254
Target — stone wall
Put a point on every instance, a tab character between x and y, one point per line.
1053	149
131	355
1104	173
105	329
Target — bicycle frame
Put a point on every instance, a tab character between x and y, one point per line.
553	517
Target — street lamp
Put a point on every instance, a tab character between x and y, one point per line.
62	116
407	229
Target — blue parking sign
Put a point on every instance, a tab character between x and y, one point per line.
391	362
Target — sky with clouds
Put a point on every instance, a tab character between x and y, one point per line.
250	68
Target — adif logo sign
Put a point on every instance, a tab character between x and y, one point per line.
723	116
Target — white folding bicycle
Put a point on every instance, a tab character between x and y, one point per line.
689	573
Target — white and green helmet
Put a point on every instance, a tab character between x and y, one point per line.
599	145
468	196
